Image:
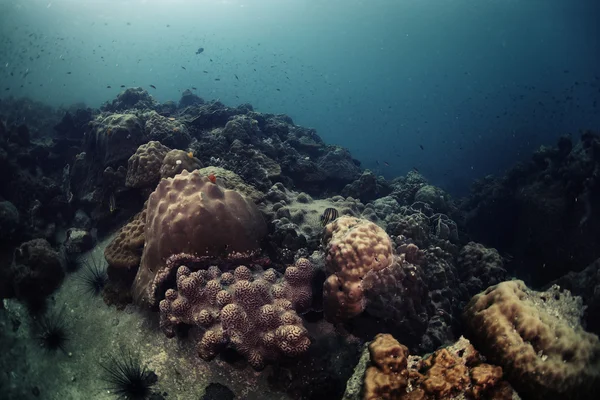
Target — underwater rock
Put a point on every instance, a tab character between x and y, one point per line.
543	212
188	98
73	126
367	187
538	340
36	272
255	167
78	241
131	98
211	115
339	166
9	219
115	138
316	375
404	188
217	391
585	284
170	132
480	267
242	128
433	196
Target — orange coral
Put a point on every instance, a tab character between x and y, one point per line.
387	378
453	372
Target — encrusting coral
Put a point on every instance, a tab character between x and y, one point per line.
536	337
251	311
454	372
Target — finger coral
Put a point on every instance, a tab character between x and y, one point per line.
536	337
243	309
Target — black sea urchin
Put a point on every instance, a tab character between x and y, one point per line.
128	378
53	330
93	277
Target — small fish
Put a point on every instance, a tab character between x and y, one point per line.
153	87
236	77
182	67
387	164
168	26
415	169
112	203
279	90
206	72
212	178
191	155
171	119
217	79
329	215
193	88
421	146
69	73
108	87
200	50
122	86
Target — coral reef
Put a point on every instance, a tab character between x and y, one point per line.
251	311
537	339
190	214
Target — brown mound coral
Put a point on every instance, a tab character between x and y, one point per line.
244	309
354	247
124	253
143	167
190	214
536	337
455	372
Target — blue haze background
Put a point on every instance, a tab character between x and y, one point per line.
478	84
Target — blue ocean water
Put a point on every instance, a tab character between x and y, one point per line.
454	88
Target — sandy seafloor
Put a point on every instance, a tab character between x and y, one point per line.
98	330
